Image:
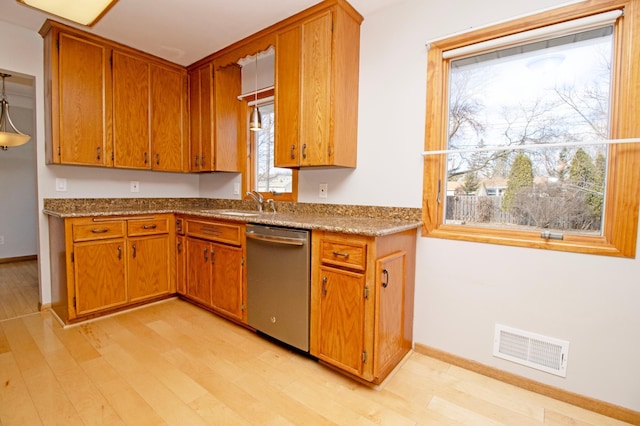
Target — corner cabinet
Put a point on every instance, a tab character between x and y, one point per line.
111	106
215	117
214	256
316	89
362	296
102	264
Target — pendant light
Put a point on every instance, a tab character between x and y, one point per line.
9	135
255	121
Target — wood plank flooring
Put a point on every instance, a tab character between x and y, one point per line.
173	363
18	289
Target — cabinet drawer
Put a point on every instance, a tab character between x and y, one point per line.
351	255
136	227
98	231
215	231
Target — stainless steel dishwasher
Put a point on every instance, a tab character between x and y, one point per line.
278	283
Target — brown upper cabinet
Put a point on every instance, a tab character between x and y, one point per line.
214	117
316	89
111	106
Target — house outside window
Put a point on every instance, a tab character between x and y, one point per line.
524	111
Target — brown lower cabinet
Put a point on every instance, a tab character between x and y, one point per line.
362	293
100	264
214	266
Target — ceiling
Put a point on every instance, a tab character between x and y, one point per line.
181	31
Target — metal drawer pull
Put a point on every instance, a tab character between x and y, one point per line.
150	226
206	258
385	283
324	286
119	252
337	253
134	250
100	231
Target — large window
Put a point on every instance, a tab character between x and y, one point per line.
520	114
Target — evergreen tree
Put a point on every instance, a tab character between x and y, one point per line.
584	174
520	176
471	183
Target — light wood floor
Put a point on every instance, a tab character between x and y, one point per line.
173	363
18	288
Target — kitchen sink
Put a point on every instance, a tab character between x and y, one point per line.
232	212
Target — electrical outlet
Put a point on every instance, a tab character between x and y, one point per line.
236	188
135	186
1	240
324	190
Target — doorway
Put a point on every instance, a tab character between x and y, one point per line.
19	283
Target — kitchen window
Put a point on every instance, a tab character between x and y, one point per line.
272	182
519	119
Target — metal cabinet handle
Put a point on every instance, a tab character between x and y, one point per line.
157	159
100	230
385	281
99	153
202	160
179	246
134	250
324	286
293	154
119	252
337	253
206	258
146	158
213	254
154	226
195	161
304	150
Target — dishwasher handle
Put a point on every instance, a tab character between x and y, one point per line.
276	239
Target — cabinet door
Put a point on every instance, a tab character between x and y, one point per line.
226	288
227	82
99	275
181	265
149	267
315	124
168	119
389	321
341	319
84	104
131	111
201	118
287	105
198	270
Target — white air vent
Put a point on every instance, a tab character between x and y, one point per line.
530	349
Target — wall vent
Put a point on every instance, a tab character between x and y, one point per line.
530	349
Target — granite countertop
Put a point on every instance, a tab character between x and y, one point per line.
349	219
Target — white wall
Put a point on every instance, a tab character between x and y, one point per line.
463	289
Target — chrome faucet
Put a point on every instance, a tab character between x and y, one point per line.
257	197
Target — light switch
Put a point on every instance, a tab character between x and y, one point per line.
61	185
